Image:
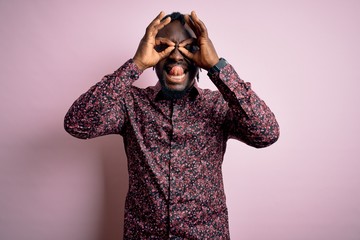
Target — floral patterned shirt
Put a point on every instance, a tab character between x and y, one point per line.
175	148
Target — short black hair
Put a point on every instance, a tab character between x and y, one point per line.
176	16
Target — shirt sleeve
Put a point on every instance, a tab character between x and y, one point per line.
248	118
101	110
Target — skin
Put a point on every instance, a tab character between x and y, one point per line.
166	45
176	33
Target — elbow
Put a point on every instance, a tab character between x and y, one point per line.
270	137
74	130
274	138
258	137
76	134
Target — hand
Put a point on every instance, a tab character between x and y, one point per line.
206	56
146	55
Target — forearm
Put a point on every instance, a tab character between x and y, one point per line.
249	118
101	110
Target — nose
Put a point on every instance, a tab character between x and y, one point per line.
176	54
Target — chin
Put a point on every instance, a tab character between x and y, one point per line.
175	90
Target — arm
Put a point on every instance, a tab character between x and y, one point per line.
102	109
248	117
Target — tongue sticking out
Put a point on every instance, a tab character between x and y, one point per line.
176	71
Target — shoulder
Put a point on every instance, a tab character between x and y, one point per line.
209	94
142	94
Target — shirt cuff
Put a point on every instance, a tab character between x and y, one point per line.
128	72
232	87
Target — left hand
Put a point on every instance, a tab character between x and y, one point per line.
146	55
206	56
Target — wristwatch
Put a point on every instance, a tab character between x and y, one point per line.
217	67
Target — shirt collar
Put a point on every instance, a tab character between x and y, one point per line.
194	92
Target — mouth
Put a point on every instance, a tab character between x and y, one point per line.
175	73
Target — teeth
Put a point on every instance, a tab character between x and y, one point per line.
177	77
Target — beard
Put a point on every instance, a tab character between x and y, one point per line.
175	94
179	90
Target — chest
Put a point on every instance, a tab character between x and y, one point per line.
178	120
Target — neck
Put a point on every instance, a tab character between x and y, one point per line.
169	94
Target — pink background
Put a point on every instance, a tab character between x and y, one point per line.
301	56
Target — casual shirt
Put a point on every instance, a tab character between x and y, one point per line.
175	148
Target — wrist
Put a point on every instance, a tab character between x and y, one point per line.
221	63
138	63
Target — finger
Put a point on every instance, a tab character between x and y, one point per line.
187	41
150	29
191	24
160	40
199	24
163	23
158	18
166	52
159	25
187	53
193	19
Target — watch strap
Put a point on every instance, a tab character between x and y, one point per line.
218	66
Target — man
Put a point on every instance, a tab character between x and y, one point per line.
174	133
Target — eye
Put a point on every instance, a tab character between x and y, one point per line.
192	47
161	47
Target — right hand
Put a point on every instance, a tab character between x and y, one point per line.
146	55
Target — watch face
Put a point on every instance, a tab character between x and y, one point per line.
222	63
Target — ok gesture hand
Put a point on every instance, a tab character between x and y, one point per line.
146	55
206	56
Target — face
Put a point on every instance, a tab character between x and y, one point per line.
175	72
